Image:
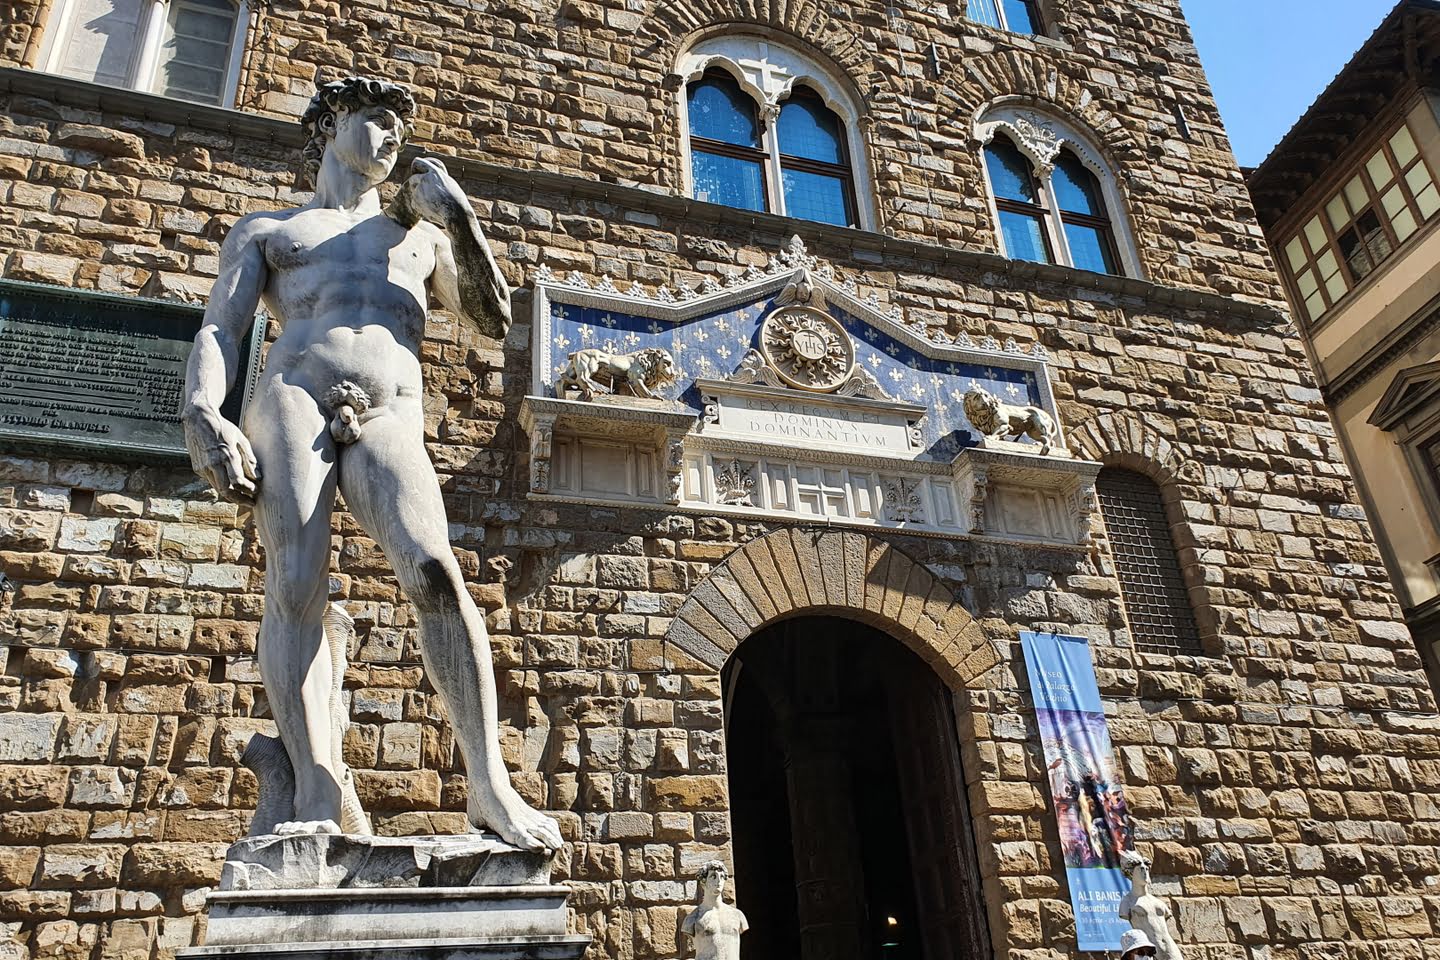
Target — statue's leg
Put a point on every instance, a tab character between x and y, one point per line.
392	490
292	513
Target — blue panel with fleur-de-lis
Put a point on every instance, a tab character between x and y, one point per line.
711	346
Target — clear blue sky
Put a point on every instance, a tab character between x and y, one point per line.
1268	60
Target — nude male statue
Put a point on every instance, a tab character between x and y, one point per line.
339	405
714	925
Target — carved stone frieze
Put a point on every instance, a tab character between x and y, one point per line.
754	368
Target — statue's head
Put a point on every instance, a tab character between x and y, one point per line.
712	877
361	121
1134	866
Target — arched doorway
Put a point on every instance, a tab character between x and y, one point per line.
851	832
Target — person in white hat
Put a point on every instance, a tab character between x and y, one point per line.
1135	944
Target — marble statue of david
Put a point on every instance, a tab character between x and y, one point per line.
339	405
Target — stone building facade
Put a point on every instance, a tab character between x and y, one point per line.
1278	764
1371	333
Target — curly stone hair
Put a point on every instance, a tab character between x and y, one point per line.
351	93
710	869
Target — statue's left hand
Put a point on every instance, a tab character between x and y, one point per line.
432	194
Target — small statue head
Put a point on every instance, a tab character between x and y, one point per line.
712	877
362	121
1132	864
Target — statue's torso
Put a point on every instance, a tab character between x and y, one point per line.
716	932
350	295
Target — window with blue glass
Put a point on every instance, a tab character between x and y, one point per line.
1056	218
1088	234
1017	203
731	161
814	164
1017	16
727	154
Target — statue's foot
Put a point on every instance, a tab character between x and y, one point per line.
501	809
297	828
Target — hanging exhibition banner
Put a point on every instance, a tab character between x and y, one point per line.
1080	765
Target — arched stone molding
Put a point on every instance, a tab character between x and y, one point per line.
1016	76
797	571
681	24
1124	439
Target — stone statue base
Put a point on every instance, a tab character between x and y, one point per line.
397	898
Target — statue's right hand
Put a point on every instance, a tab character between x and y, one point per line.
221	455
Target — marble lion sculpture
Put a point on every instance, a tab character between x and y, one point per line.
995	418
641	371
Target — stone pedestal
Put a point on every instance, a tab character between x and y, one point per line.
396	898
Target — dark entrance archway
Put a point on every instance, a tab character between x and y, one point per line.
850	827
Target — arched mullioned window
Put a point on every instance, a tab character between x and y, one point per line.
769	129
1055	201
187	49
1157	603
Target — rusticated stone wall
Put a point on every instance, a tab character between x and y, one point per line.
585	87
1283	782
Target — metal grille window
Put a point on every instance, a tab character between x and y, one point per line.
1145	563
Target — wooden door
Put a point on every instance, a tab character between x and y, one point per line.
948	895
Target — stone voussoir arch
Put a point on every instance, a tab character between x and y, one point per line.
802	571
680	24
1124	439
1017	76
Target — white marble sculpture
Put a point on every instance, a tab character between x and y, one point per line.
715	926
1143	910
340	404
995	418
641	372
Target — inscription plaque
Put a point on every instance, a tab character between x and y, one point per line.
101	373
815	421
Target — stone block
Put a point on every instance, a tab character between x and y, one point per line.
688	792
28	736
67	866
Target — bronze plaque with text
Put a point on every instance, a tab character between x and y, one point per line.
101	373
